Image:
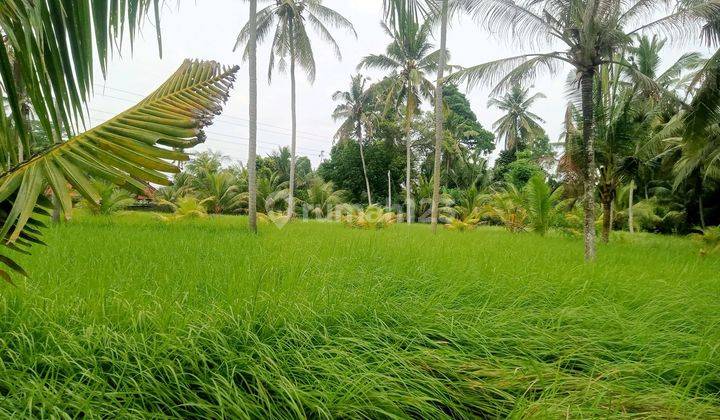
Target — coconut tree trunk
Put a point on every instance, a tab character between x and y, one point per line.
439	117
358	131
389	191
701	209
409	207
631	198
56	209
607	219
293	144
589	181
252	149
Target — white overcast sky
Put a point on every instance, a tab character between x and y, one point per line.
206	29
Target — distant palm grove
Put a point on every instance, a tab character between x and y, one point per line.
637	152
428	267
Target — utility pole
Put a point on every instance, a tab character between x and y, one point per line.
389	191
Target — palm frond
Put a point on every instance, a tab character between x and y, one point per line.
126	150
503	73
56	45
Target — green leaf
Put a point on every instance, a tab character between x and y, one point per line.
124	150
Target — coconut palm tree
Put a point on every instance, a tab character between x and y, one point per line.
40	80
628	114
540	202
355	111
221	193
583	34
112	199
252	145
322	197
439	115
637	170
409	59
397	11
291	47
518	126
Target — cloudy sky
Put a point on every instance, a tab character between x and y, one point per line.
207	29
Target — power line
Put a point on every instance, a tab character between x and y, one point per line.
219	119
308	150
305	133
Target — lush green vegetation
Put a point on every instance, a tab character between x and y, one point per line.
130	315
352	314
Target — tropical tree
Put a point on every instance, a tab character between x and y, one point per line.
112	199
42	107
355	111
518	126
291	47
384	153
507	207
181	186
279	160
203	165
439	114
465	142
252	145
187	207
270	188
397	11
541	201
694	133
321	197
590	33
463	124
641	168
467	213
410	60
221	193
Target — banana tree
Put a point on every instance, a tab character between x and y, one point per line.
133	149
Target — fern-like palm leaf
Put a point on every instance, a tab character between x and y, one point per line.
130	150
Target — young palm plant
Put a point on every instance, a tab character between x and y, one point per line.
222	194
541	202
468	212
187	207
291	47
410	60
583	34
322	197
508	207
112	199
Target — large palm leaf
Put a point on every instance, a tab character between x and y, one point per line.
47	55
130	150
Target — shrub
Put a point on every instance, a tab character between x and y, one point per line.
373	217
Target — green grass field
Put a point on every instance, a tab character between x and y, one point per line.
129	316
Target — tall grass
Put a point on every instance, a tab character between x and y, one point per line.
129	316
